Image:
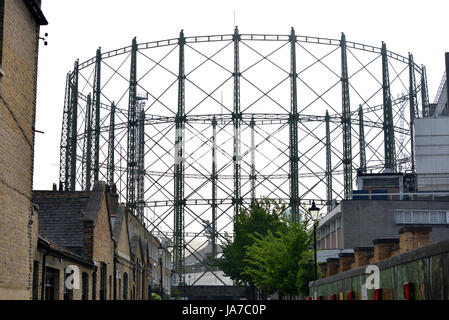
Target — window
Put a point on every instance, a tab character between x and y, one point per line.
85	284
119	287
125	286
143	284
50	287
421	217
35	280
94	285
103	281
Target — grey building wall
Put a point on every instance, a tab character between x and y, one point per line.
363	221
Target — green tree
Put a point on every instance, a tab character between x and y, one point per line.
263	217
281	261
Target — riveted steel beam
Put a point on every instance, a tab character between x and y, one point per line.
293	128
132	130
87	164
346	121
362	144
424	93
140	197
64	156
111	145
179	201
236	119
96	105
73	126
214	187
389	143
328	164
413	103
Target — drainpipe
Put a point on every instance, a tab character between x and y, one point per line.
44	266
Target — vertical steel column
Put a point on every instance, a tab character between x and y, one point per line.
362	143
96	114
141	164
252	124
73	126
214	187
87	166
179	201
328	163
132	126
111	145
389	142
446	61
346	121
65	137
424	93
413	103
293	123
236	118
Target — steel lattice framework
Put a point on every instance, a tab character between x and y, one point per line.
192	129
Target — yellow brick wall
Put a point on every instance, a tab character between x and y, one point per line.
124	264
103	248
60	264
17	117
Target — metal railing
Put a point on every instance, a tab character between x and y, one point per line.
440	88
402	196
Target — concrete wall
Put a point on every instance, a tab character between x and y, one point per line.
363	221
432	153
17	117
427	268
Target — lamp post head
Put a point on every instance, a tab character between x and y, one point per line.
314	211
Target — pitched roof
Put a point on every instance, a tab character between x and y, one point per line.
61	216
60	250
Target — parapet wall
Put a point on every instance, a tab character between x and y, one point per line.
427	268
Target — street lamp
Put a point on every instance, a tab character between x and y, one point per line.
161	252
314	212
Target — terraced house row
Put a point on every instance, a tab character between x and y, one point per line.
55	244
89	246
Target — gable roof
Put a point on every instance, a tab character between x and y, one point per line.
61	217
62	214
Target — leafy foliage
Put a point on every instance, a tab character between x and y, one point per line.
263	216
269	251
281	262
155	296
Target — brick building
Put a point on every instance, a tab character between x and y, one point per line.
20	22
123	260
76	225
382	205
95	234
145	253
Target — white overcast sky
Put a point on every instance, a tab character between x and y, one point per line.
77	28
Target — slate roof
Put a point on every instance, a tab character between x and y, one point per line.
61	216
117	221
54	247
